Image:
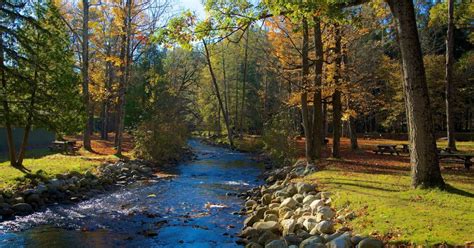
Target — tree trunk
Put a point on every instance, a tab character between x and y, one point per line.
216	87
29	121
85	75
423	154
353	133
336	97
105	118
336	123
226	86
6	109
125	77
307	119
242	108
449	77
317	104
325	122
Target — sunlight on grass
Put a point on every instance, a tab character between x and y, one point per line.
51	164
387	206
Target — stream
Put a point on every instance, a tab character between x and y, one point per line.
194	209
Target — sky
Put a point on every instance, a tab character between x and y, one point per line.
193	5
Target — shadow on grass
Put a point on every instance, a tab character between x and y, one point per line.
30	154
453	190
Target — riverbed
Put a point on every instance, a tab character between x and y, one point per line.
195	208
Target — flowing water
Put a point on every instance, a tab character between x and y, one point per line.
193	209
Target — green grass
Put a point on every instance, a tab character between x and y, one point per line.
50	163
387	206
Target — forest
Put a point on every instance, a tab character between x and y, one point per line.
367	99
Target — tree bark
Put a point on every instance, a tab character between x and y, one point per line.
423	154
336	97
125	77
353	134
216	87
317	101
85	75
307	125
106	106
449	77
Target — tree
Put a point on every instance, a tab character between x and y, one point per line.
449	77
38	66
85	76
423	154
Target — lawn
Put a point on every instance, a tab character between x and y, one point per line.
51	163
377	188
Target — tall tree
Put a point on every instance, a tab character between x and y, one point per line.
85	76
449	77
423	152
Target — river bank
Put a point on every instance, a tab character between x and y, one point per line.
198	207
73	187
286	212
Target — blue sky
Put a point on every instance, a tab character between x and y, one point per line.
193	5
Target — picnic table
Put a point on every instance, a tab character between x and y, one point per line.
464	157
63	146
386	148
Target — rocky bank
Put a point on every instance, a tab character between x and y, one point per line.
75	187
287	213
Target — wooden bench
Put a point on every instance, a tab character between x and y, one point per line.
465	158
381	149
405	148
63	146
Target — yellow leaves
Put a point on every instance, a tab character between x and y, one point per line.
116	61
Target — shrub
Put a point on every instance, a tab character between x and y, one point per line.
160	139
278	139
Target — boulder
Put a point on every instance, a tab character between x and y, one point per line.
312	242
276	244
292	239
324	213
267	225
304	187
315	204
270	217
288	215
298	197
343	241
266	199
309	199
356	239
267	237
310	223
288	226
289	203
370	243
249	221
249	233
325	226
253	245
250	204
291	189
6	209
22	208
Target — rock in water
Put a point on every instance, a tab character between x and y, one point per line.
277	244
22	208
370	243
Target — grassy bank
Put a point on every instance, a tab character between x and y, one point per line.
48	164
386	206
